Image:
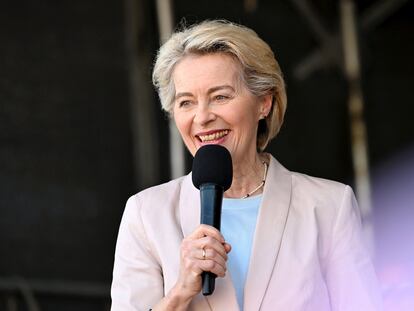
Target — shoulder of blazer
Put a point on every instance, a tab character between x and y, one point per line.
319	190
156	199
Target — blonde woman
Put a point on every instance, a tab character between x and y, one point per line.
288	241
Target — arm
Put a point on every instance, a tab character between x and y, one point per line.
192	265
137	277
349	273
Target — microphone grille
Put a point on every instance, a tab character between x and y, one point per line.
212	164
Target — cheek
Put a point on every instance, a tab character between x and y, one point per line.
183	125
180	123
246	129
245	122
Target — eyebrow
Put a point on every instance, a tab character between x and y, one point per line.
211	90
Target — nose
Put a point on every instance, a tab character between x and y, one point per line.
203	114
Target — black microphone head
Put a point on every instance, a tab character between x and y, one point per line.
212	164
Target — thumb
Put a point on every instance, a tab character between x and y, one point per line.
227	247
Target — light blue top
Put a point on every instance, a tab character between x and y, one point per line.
238	223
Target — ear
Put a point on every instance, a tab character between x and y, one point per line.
266	105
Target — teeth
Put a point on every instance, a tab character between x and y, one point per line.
213	136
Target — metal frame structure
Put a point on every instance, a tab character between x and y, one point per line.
165	25
345	43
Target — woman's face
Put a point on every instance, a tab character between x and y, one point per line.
212	105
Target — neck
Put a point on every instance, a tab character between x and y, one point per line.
247	176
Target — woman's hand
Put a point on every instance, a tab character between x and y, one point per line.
193	264
207	241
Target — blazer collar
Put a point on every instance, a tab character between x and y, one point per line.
270	226
268	236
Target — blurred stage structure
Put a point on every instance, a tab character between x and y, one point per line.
18	292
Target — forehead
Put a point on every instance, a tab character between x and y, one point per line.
204	71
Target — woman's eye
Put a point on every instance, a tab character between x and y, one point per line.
221	97
184	103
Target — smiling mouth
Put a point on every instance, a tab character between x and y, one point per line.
212	136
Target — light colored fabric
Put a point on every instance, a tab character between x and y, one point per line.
307	251
238	222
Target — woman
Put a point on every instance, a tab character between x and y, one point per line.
288	241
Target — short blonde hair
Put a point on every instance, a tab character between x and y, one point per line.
261	72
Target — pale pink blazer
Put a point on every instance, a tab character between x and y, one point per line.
307	252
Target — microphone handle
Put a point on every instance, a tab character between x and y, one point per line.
208	280
211	198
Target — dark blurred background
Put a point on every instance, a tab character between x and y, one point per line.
81	130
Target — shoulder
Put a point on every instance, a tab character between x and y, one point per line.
324	198
319	189
309	189
157	199
312	197
162	191
327	203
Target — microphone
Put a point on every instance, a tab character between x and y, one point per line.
212	173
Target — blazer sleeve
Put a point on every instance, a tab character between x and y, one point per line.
137	277
350	276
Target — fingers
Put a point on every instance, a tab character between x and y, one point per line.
212	261
210	240
227	247
210	237
207	241
211	244
212	255
205	230
210	265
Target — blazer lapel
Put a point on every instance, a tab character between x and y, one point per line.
270	226
224	296
189	206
